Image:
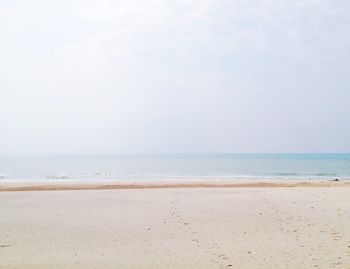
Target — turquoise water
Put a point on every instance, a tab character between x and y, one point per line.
175	166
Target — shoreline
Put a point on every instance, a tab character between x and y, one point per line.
63	186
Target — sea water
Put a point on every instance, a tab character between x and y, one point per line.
143	167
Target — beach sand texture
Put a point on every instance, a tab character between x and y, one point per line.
176	228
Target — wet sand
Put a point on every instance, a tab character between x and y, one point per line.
194	226
55	186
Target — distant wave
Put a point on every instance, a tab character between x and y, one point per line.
305	175
78	176
58	177
119	176
288	174
326	175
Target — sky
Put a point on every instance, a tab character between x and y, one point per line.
164	76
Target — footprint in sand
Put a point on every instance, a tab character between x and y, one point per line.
220	258
5	246
175	201
336	236
196	241
223	257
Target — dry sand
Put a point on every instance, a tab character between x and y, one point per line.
241	227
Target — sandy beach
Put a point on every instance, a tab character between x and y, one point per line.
177	227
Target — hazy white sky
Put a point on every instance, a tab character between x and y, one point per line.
124	76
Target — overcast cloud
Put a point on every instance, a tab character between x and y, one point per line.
142	76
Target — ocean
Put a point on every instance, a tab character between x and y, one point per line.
144	167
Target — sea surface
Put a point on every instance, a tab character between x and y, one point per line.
143	167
